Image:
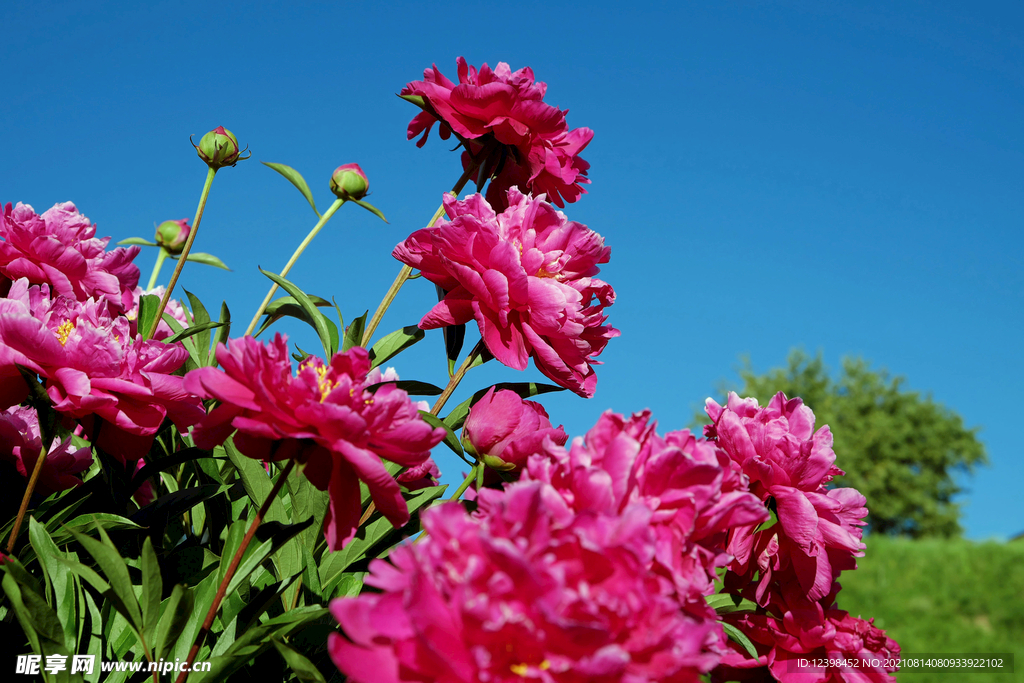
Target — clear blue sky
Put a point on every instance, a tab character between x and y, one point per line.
839	176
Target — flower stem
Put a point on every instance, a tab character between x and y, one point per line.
161	256
406	271
470	478
230	573
184	252
28	493
291	262
457	377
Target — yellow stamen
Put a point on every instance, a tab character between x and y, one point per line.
64	331
326	385
519	669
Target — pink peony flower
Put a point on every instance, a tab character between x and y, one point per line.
526	589
503	115
781	645
505	428
789	464
60	248
527	277
693	494
94	368
323	416
21	443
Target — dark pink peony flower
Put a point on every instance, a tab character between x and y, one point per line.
526	589
781	644
789	464
94	368
21	443
323	416
502	116
60	248
693	494
527	277
505	428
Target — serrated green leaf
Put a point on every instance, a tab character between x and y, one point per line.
371	208
205	259
148	305
394	343
137	240
319	320
457	417
296	179
740	638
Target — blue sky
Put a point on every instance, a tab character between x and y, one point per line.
838	176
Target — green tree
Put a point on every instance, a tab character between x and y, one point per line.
899	448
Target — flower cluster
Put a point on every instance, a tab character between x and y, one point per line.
501	115
21	445
324	416
526	276
60	248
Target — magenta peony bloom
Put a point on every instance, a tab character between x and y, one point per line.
60	248
526	589
323	416
789	464
506	429
693	494
94	368
781	645
527	277
21	443
503	115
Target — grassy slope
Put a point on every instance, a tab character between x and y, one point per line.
943	596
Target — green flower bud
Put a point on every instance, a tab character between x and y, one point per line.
219	148
349	182
172	235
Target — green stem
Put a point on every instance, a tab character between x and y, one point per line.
28	493
161	256
184	252
291	262
465	484
406	271
230	573
457	377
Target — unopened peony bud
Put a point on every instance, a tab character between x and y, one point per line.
172	235
503	430
219	148
349	182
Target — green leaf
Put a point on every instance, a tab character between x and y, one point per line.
354	332
57	580
296	179
726	603
222	333
148	305
199	317
394	343
175	613
450	440
256	481
297	662
410	386
139	241
152	589
205	259
194	330
455	419
740	638
371	208
415	99
202	600
288	306
319	320
116	571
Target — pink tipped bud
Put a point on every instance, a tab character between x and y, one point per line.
219	148
349	182
172	235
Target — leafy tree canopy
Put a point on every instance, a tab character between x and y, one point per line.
900	449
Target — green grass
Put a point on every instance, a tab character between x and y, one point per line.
943	596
